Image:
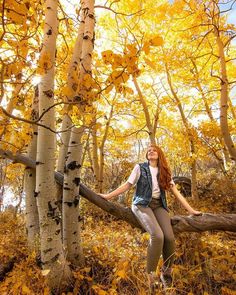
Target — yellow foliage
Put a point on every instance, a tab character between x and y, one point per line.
107	56
149	63
156	41
45	63
87	81
146	47
67	91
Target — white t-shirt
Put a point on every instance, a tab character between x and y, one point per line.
135	174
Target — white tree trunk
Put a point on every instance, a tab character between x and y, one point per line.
52	255
224	98
71	230
71	218
146	112
65	138
101	148
32	218
95	162
189	133
72	85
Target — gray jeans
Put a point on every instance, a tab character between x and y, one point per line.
156	221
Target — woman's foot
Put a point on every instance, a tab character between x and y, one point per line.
166	280
154	280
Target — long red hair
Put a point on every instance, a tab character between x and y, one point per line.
164	170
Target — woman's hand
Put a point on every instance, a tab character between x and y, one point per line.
105	196
195	212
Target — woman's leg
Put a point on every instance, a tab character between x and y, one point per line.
148	221
163	219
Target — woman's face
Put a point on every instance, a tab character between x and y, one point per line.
152	153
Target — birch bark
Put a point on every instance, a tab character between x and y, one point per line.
52	255
32	218
71	228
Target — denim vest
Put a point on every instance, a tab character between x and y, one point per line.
143	193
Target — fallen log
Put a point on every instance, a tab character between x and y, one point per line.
205	222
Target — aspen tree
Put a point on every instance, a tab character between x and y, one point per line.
32	218
146	112
94	157
52	255
102	145
71	229
225	157
224	104
189	133
71	88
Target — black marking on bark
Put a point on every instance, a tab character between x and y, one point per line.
74	232
57	219
76	201
77	98
57	232
46	251
73	165
37	163
73	142
49	32
68	203
48	93
55	258
35	133
80	218
66	188
65	170
58	202
76	181
86	37
30	175
49	239
51	210
36	194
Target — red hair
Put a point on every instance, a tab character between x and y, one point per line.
164	170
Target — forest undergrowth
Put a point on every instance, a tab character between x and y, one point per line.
115	256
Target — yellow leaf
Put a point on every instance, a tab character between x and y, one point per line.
108	89
26	290
107	56
121	273
146	47
156	41
149	63
132	49
45	62
87	81
67	91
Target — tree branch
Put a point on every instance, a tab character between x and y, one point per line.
206	222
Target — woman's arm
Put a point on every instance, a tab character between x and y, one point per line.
120	190
183	201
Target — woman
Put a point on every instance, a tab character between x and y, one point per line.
149	205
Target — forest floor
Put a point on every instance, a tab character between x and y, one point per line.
115	256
